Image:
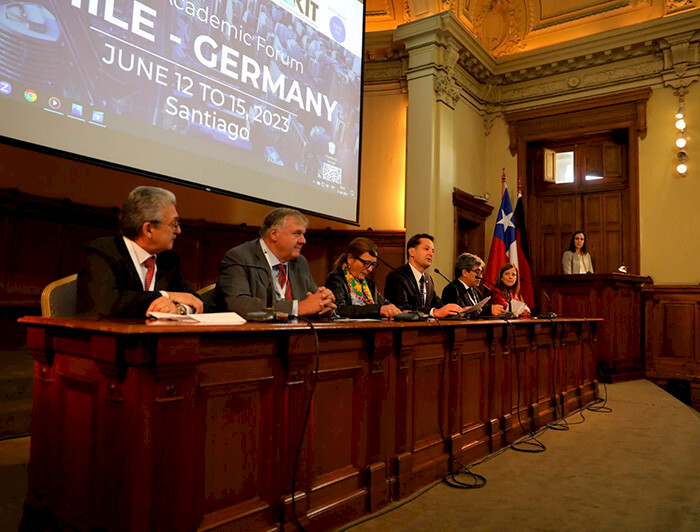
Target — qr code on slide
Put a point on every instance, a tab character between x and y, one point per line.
331	173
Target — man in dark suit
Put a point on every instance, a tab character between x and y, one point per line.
464	290
138	272
410	287
270	272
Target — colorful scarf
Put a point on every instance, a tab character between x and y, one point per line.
359	290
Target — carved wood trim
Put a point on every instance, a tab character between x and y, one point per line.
629	106
470	207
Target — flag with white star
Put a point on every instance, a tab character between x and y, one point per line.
503	246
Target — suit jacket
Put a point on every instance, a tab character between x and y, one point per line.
108	284
337	284
402	289
244	289
455	292
570	262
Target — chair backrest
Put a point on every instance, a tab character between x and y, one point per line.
206	294
58	298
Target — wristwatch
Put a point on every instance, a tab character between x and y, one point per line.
180	307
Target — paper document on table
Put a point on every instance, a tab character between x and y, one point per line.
517	307
475	308
212	318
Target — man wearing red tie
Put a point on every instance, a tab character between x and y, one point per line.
271	272
137	272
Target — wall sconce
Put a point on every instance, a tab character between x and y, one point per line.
681	140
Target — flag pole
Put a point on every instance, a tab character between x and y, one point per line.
503	182
520	187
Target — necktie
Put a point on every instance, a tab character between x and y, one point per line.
150	263
422	290
284	283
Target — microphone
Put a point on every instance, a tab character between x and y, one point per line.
409	315
504	315
547	315
268	314
441	275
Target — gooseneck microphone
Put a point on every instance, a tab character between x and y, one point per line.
441	275
547	315
269	313
409	315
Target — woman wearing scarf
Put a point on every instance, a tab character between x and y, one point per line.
355	294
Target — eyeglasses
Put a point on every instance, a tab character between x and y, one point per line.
368	264
478	270
174	225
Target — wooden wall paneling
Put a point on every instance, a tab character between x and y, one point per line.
66	228
545	349
572	356
299	366
671	323
338	451
429	407
380	418
469	394
240	426
588	364
499	387
34	261
613	230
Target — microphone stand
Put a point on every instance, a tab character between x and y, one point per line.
544	315
504	315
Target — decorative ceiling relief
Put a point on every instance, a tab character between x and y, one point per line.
500	25
675	6
508	27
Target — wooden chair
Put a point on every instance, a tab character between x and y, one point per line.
58	298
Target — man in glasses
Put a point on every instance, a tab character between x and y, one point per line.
464	290
270	271
137	272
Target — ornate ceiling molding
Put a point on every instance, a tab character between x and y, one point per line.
659	53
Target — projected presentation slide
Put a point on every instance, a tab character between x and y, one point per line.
259	98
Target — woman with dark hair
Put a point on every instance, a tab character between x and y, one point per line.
576	259
355	294
506	288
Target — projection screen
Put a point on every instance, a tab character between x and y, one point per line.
256	98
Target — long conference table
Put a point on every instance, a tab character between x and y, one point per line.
163	426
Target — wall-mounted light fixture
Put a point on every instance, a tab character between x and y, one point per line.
681	140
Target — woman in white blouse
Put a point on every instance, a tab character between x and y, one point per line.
576	259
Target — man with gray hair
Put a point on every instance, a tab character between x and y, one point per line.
464	289
137	272
270	272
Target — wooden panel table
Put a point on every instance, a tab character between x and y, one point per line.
163	426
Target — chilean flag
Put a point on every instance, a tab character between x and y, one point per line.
504	247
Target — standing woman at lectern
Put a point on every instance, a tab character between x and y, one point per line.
576	259
355	293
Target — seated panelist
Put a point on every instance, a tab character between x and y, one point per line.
137	272
355	293
271	272
507	287
410	287
464	290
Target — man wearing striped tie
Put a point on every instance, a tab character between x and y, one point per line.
410	287
137	272
270	272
